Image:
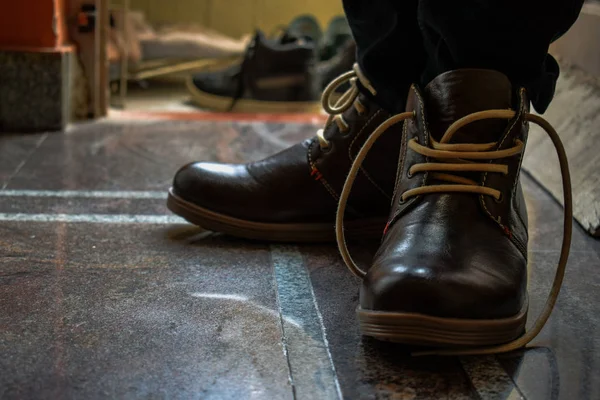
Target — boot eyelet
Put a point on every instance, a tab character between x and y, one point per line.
408	173
327	149
500	200
401	200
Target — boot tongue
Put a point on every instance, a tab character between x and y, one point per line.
455	94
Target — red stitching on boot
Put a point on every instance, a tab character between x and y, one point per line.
387	226
316	172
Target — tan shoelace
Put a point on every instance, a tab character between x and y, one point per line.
347	100
461	154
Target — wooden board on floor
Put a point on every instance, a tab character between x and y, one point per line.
575	114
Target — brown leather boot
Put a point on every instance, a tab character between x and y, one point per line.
293	195
452	267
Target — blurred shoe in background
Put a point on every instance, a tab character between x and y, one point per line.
274	76
336	36
280	74
337	65
302	27
329	43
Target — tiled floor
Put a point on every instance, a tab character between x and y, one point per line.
104	294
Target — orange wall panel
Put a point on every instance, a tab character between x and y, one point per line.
29	23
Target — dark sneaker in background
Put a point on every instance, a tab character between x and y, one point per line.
334	67
329	43
304	27
274	76
334	39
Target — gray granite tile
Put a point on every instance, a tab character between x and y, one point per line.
536	373
15	151
96	311
489	378
35	89
109	206
171	311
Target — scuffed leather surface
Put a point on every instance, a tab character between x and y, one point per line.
281	189
511	212
276	189
445	258
446	101
413	128
373	187
445	254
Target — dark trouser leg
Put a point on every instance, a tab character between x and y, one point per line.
511	36
389	47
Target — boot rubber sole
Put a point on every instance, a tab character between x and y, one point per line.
425	330
223	103
371	228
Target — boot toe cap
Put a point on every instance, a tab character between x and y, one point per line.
472	291
211	185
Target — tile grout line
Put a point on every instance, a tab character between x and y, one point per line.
324	334
94	218
93	194
309	356
22	163
282	328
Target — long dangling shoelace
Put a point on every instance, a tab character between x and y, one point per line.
347	100
461	156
